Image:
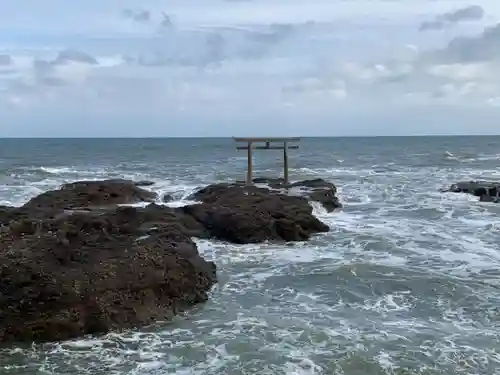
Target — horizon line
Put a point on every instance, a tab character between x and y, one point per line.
282	136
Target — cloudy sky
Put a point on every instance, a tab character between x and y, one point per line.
249	67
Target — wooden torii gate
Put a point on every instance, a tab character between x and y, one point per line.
267	144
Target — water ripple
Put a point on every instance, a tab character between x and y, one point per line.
407	281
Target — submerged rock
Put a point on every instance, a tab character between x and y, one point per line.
487	191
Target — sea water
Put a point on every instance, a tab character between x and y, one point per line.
406	282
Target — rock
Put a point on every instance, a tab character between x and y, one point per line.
92	194
167	198
144	183
73	262
321	191
487	191
8	214
317	190
89	273
268	180
249	214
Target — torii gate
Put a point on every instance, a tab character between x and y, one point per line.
283	144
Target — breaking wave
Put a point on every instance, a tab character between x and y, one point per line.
407	281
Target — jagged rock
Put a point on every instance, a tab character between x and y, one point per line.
89	273
317	190
320	191
249	214
72	262
487	191
92	194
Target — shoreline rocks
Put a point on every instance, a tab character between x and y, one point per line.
250	214
74	262
88	194
487	191
82	274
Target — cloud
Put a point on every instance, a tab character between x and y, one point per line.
70	55
227	66
5	60
137	16
468	13
483	47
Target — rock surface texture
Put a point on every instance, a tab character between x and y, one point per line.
249	214
487	191
87	194
73	262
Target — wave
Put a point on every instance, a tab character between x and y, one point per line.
407	275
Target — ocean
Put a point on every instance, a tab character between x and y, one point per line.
407	281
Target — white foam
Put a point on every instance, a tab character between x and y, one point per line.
58	170
393	220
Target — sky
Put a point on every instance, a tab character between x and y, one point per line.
209	68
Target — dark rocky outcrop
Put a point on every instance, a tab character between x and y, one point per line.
84	194
246	214
73	262
317	190
321	191
487	191
87	273
167	198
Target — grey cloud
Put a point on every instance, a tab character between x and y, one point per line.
166	22
70	55
432	25
469	13
209	46
256	43
146	17
143	16
216	47
137	16
484	47
275	34
20	87
5	60
44	69
52	81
